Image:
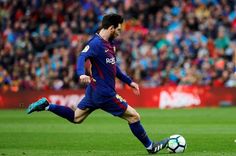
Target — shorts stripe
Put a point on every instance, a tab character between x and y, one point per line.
119	103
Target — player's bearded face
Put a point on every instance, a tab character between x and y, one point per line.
115	32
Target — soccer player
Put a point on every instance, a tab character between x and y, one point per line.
100	91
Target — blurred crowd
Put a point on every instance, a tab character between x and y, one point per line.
164	42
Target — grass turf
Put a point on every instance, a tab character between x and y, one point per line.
209	132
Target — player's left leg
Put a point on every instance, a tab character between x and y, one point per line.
117	106
133	118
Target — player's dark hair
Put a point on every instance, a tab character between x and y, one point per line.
111	19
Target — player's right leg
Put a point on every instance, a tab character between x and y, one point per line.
39	105
136	127
76	116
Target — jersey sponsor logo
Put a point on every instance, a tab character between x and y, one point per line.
111	60
85	49
106	50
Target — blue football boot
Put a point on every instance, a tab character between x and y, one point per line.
157	146
38	105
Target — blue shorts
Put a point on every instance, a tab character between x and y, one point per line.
115	105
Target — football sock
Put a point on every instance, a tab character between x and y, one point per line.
140	133
149	147
62	111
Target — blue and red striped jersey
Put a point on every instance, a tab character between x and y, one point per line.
101	54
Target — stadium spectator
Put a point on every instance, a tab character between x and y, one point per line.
163	41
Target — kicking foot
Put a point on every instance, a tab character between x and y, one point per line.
157	146
38	105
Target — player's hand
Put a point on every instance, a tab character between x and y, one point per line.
85	79
135	88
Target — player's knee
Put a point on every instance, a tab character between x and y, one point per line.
135	117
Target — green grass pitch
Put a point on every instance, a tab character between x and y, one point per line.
208	131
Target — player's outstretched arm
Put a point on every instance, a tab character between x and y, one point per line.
135	88
124	78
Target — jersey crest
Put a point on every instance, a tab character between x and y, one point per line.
85	49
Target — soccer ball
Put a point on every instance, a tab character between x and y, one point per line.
176	144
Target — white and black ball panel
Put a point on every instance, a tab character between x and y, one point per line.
176	144
181	141
179	149
173	143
